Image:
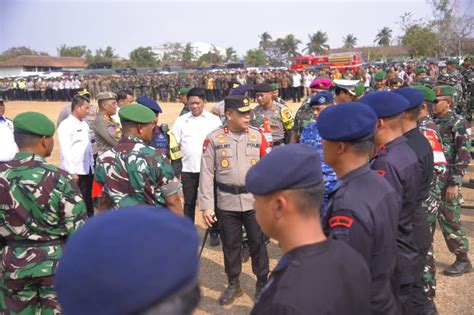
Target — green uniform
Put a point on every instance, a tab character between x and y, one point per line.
456	143
134	173
304	116
40	206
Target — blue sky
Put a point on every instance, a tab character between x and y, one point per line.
125	25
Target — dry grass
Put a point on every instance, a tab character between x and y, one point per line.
454	295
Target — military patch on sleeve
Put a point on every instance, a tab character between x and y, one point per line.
340	221
381	172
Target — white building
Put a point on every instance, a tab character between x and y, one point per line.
36	65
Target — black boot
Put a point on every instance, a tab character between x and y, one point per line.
245	252
232	292
430	308
461	265
261	282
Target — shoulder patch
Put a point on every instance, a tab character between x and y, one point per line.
205	145
340	221
381	172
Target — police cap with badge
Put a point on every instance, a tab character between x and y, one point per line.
239	103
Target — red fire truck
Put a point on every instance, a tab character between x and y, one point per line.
341	61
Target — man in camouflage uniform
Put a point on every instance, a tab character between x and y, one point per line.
454	78
133	173
280	116
380	79
183	99
311	137
304	115
468	73
428	127
40	206
107	132
456	143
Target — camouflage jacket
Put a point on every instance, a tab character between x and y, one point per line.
39	202
134	173
456	140
303	117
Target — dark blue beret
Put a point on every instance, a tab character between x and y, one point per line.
126	260
347	122
385	104
241	90
290	166
322	98
150	103
414	97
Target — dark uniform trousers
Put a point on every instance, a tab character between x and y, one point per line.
190	190
85	186
230	225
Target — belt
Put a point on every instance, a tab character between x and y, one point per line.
232	189
277	143
32	243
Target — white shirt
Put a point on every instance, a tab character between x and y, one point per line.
7	141
296	80
308	79
76	147
190	132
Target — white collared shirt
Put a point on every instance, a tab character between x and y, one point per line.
76	147
7	141
190	132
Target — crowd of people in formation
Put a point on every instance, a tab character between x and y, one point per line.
350	187
292	85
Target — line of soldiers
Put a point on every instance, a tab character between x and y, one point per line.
131	172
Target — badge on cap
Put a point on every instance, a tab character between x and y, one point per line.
322	100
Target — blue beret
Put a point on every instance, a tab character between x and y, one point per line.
347	122
322	98
241	90
385	104
126	260
150	103
291	166
414	97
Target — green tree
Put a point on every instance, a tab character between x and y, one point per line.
143	57
383	37
72	51
420	41
317	43
255	58
174	51
14	52
350	41
265	41
231	55
188	55
290	45
212	57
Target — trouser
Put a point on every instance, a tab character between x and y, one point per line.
405	299
294	94
29	296
419	298
85	185
230	224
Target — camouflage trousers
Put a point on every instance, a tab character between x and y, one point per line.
31	296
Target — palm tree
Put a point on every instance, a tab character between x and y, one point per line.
230	54
290	44
350	41
265	41
383	37
317	43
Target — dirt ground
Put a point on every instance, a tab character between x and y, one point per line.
454	295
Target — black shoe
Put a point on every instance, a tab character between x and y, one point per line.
461	265
245	252
214	241
232	292
430	308
259	287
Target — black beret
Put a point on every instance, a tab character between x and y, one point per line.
292	166
347	122
263	88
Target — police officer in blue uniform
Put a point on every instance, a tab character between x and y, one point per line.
422	148
398	164
317	274
363	209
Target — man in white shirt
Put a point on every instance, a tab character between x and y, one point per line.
190	131
296	87
9	148
76	148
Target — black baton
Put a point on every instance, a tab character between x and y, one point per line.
204	242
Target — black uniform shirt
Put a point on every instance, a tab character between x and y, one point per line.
422	148
363	211
323	278
398	164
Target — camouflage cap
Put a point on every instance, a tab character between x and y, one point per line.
136	113
183	91
379	76
35	123
444	90
106	96
453	62
420	70
430	95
